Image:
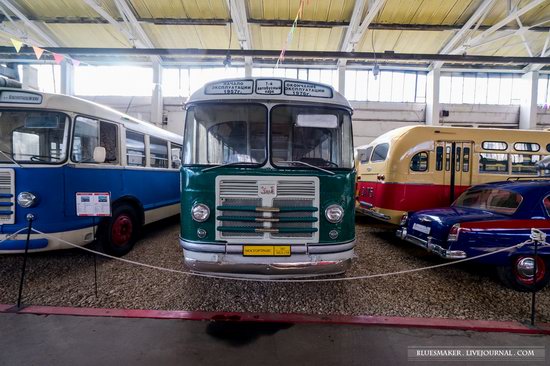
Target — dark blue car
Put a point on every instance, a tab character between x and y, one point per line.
486	218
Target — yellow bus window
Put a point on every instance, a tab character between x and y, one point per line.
439	158
493	163
494	145
466	159
526	146
419	162
524	163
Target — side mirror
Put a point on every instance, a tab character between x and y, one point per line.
99	154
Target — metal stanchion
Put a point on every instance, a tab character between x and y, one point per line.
534	288
95	256
30	218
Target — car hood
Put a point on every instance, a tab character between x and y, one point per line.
440	220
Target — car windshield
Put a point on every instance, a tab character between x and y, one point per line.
33	136
494	200
319	136
218	134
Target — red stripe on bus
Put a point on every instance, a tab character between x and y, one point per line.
406	197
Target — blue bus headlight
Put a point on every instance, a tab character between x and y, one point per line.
200	212
334	213
26	199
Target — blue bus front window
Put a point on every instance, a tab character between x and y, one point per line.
218	134
33	136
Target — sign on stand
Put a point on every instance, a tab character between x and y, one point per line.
93	204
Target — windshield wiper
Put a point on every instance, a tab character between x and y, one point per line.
229	164
10	158
306	164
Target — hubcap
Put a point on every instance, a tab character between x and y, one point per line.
122	230
525	267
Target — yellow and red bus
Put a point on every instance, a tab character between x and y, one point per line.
418	167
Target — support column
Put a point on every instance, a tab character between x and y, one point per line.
30	78
432	97
342	79
528	106
67	78
248	67
156	98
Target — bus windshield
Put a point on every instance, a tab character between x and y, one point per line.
319	136
33	136
218	134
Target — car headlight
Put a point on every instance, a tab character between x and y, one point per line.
200	212
26	199
334	213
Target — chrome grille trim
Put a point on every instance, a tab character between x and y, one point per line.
7	195
267	194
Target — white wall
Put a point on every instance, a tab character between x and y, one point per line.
370	119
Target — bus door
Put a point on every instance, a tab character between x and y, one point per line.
455	162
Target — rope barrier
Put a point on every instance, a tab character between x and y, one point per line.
12	235
534	233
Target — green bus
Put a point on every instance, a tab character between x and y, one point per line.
267	179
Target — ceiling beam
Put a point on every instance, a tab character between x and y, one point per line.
239	17
114	22
126	12
478	14
49	41
358	26
312	55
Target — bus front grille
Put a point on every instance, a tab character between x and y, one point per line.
7	196
267	209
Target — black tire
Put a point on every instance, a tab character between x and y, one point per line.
119	233
510	277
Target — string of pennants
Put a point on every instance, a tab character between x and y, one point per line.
290	34
38	52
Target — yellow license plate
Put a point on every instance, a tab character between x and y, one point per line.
266	250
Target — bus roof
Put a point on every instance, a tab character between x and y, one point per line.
269	89
455	132
22	98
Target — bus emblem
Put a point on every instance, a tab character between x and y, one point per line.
267	190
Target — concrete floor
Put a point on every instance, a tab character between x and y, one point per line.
28	339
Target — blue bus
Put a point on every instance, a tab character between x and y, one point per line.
55	148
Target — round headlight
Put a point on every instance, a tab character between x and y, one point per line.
26	199
200	212
334	213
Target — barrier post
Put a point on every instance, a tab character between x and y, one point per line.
30	218
534	288
95	255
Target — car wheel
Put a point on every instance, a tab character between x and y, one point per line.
119	234
518	275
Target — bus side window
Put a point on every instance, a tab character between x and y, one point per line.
466	159
419	162
439	158
457	163
108	139
175	155
448	158
159	152
135	148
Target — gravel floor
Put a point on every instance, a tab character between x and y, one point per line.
463	291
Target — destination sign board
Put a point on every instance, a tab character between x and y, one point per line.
269	86
10	96
229	87
305	89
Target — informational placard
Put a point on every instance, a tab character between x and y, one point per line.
230	87
304	89
269	86
93	204
11	96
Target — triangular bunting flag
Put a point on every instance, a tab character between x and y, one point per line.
38	52
75	62
58	58
17	44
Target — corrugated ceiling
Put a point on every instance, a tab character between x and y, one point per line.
60	17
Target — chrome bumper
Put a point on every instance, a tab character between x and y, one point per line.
376	215
234	264
429	246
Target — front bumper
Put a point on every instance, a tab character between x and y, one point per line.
429	246
366	209
315	261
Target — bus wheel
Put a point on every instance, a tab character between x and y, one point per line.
120	233
518	275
